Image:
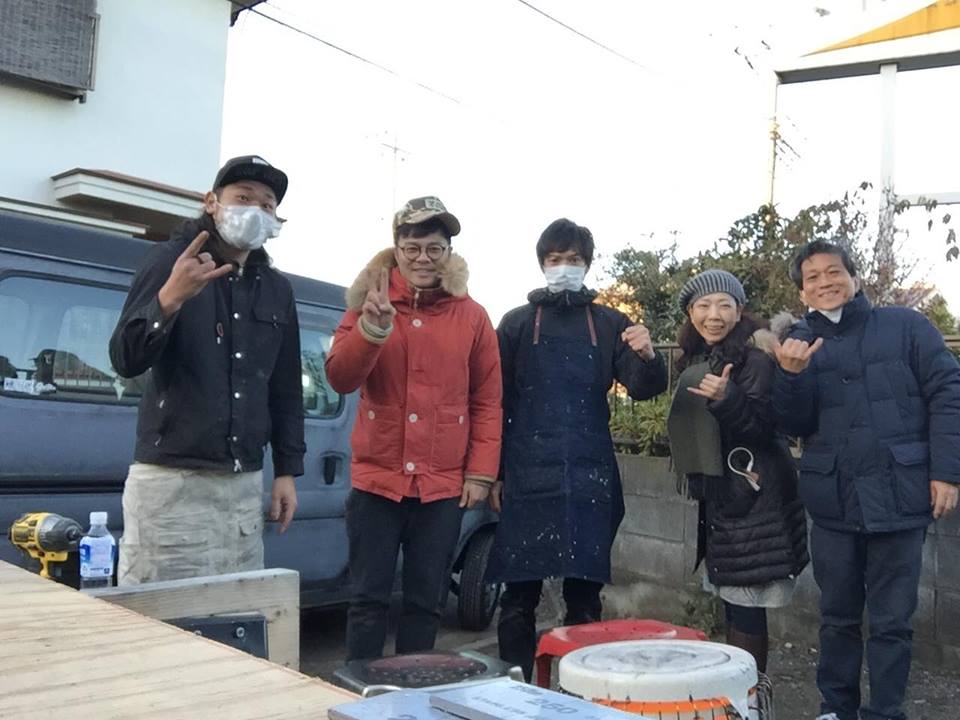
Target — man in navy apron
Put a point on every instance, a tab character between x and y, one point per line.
559	492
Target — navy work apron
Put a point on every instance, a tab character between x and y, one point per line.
562	500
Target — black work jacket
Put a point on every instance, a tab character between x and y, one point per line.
225	375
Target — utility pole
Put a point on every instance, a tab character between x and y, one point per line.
774	139
397	152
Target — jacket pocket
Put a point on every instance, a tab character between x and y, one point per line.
378	435
450	437
911	477
818	484
268	329
162	418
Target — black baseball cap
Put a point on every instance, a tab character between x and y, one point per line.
252	167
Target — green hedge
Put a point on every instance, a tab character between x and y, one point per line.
640	428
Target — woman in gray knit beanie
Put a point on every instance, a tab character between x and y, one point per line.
709	282
752	530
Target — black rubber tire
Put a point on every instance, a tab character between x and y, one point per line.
477	600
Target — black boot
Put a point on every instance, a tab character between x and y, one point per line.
517	628
756	645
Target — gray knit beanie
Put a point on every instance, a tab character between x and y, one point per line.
708	282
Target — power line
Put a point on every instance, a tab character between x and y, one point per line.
585	37
432	90
352	54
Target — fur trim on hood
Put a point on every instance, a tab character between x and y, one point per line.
765	340
453	277
782	323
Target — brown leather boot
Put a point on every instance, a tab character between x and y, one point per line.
756	645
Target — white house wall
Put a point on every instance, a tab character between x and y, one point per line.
155	111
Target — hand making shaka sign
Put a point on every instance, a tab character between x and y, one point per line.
794	355
714	387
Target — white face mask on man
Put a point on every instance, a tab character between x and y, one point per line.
564	277
246	227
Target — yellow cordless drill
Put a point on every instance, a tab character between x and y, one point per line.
47	537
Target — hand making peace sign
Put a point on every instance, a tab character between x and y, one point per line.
713	387
189	275
377	310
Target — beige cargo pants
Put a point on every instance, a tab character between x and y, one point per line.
187	523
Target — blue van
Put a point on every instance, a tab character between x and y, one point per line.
67	421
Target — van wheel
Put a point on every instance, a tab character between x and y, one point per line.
477	600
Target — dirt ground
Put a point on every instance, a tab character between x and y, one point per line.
932	695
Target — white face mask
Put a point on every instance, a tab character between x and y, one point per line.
246	227
564	277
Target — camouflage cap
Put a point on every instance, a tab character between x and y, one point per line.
422	209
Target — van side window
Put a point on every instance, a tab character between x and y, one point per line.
54	341
316	334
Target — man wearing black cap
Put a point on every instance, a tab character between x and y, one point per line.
217	326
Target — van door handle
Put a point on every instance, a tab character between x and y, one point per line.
329	470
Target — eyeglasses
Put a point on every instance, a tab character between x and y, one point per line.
433	251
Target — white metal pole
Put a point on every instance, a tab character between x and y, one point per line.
884	256
888	114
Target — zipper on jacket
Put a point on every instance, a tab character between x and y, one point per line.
416	297
237	467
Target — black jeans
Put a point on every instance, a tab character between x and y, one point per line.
377	529
881	571
750	620
517	629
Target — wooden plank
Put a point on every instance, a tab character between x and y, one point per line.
273	593
68	652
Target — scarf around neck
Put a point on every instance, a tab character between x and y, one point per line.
695	444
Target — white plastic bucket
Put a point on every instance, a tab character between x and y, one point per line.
675	679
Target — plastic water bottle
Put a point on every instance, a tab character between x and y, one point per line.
98	550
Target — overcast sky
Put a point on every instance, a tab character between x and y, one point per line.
513	121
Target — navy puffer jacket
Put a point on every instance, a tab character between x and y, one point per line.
879	409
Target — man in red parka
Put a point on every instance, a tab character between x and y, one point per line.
426	443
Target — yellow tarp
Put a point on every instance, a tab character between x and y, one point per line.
941	15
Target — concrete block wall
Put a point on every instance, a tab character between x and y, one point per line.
655	551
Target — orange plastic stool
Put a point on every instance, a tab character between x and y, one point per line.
558	642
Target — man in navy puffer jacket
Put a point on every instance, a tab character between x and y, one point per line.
875	394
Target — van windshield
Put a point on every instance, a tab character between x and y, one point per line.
55	335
